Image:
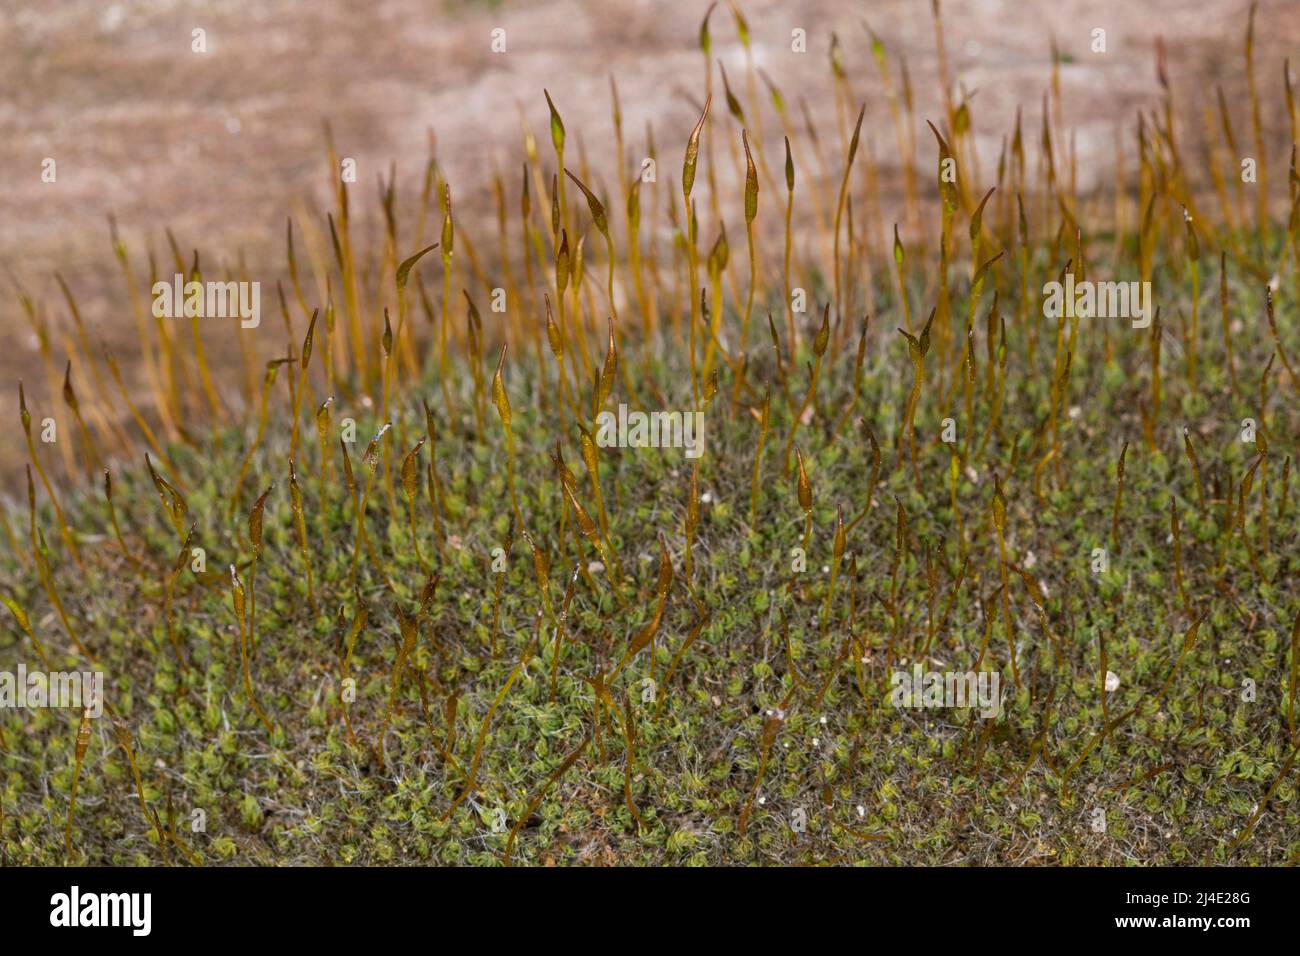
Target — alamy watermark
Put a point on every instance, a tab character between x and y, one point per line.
1102	300
635	429
75	908
83	690
208	300
921	688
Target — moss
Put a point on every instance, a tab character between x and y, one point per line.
773	707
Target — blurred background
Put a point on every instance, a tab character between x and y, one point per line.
220	147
